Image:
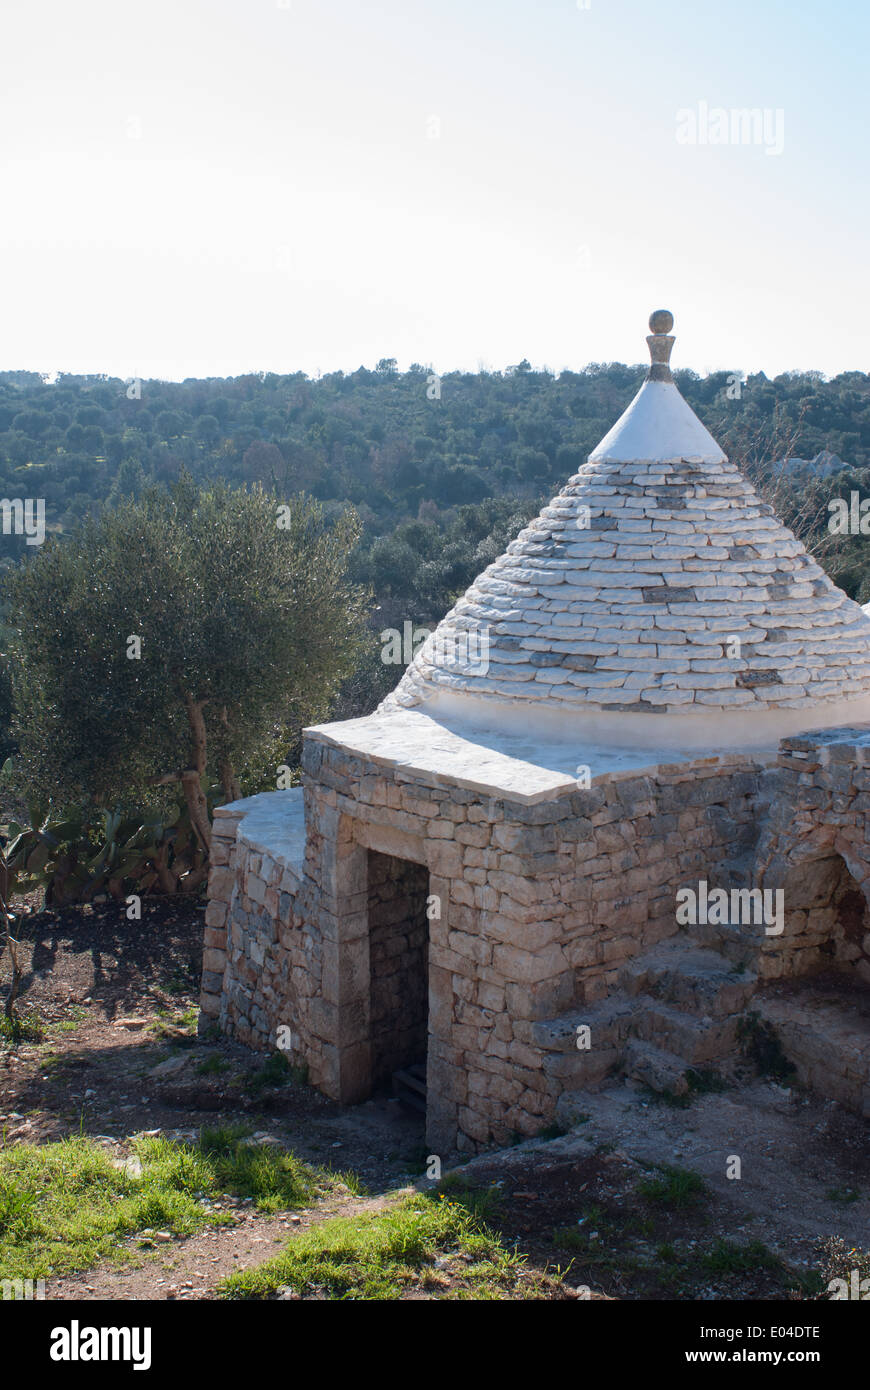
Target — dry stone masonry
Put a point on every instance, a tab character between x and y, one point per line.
480	878
629	590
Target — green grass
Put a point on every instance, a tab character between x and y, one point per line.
179	982
587	1238
416	1159
276	1071
213	1066
843	1195
727	1258
63	1206
274	1178
67	1025
380	1256
571	1238
21	1028
167	1023
676	1187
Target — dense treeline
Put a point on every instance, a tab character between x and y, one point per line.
373	438
441	471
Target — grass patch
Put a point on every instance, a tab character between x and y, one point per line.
22	1028
168	1024
843	1195
213	1066
587	1235
347	1178
431	1242
70	1024
64	1206
727	1258
179	982
676	1187
276	1071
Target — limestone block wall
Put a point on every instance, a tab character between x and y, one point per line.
815	846
538	906
263	978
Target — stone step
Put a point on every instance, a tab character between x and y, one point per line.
739	945
572	1108
703	982
586	1071
586	1067
409	1086
655	1067
640	1020
608	1021
692	1038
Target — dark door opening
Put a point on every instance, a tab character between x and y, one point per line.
399	966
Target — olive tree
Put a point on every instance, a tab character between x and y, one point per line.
175	635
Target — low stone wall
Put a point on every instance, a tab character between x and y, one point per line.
262	969
822	1030
815	847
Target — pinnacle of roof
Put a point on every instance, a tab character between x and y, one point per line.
658	424
656	589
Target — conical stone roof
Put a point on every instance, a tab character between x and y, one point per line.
656	582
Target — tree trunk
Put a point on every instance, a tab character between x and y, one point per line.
190	777
165	877
193	879
229	781
15	984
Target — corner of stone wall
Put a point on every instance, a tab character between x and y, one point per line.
220	888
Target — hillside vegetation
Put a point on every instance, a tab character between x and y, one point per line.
441	471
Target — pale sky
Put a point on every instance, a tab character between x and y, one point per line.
211	187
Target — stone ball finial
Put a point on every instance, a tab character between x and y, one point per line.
661	321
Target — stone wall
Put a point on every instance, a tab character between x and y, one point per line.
815	846
262	971
536	909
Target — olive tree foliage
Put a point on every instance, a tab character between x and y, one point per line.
175	636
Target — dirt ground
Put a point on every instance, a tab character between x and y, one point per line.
119	1056
192	1268
804	1176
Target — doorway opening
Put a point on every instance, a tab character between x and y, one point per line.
398	890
